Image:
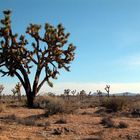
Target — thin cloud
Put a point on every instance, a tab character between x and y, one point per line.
132	61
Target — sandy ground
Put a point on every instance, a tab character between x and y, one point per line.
20	123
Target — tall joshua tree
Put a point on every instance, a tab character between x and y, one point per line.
107	88
48	52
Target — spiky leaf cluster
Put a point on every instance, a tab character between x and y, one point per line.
13	53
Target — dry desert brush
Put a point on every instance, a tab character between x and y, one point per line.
107	122
114	104
48	53
56	105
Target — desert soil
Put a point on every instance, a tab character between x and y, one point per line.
20	123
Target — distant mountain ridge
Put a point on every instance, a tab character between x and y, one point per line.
118	94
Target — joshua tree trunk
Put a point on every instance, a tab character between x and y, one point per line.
31	93
30	99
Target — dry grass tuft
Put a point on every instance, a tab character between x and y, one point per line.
135	109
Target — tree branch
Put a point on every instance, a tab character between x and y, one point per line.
41	84
36	80
35	62
3	72
21	80
26	79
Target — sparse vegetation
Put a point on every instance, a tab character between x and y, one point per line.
54	106
61	121
114	104
81	106
107	122
135	109
58	105
70	118
122	125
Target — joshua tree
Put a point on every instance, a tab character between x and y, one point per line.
107	88
18	87
14	92
73	92
17	90
67	93
89	94
48	52
82	94
51	94
99	93
1	89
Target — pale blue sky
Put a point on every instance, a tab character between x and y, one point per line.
106	33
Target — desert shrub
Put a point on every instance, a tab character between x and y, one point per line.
42	101
55	105
11	117
61	121
62	130
122	125
43	124
28	122
108	122
114	104
135	109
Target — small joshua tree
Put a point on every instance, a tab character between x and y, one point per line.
99	93
17	90
107	88
82	94
67	93
14	92
1	89
51	94
73	92
89	94
47	52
